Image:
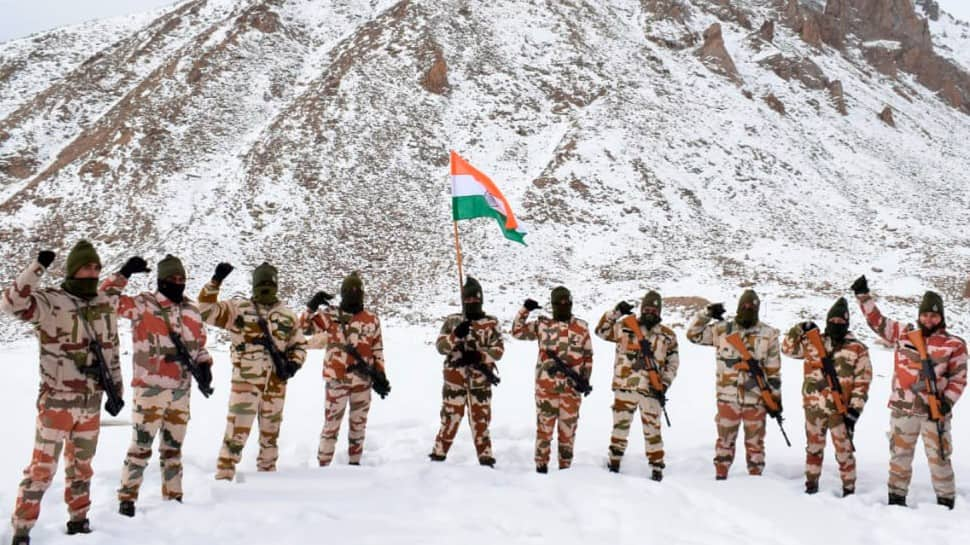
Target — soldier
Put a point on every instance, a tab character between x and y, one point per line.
69	321
834	391
471	343
635	362
267	349
348	332
739	398
912	414
557	393
160	381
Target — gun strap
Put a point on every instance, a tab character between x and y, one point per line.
89	330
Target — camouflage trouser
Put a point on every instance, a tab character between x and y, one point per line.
902	443
625	404
72	422
156	409
454	398
550	408
818	423
338	395
246	401
729	418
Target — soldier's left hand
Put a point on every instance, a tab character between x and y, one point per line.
808	326
134	265
530	304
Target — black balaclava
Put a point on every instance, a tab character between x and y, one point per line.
352	293
562	304
265	284
748	306
834	330
168	268
471	299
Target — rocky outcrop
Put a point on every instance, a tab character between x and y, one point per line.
886	116
837	96
772	101
715	56
667	23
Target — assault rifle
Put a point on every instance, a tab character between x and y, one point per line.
466	348
754	367
182	354
378	380
280	365
114	404
933	397
831	377
646	361
579	382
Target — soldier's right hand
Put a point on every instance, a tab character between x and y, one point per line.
319	298
462	329
850	419
134	265
222	271
45	258
716	311
860	286
807	326
624	307
530	304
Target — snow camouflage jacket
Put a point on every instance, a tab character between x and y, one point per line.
852	366
333	329
662	339
948	352
734	385
153	316
485	336
251	361
570	341
64	325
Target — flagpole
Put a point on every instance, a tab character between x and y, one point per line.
461	277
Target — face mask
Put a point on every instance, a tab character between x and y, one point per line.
85	288
562	310
836	332
472	311
174	292
265	294
351	300
649	320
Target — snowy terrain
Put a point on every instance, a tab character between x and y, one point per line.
398	496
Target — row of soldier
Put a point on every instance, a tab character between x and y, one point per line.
76	324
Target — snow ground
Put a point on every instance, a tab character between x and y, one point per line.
398	496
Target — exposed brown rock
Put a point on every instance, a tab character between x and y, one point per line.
931	8
886	116
94	168
802	69
833	23
262	19
811	32
767	31
882	58
678	35
18	166
966	290
715	56
435	80
772	101
837	95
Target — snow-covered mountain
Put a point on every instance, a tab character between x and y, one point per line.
691	145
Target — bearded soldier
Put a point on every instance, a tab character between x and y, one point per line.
164	323
78	333
929	376
562	372
471	343
354	363
748	378
267	349
644	368
834	392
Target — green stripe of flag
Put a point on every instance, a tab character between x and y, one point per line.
475	206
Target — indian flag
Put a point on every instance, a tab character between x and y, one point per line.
474	195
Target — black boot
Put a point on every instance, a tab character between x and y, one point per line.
895	499
487	461
847	491
542	469
811	487
945	501
657	475
127	508
436	457
21	540
613	466
78	527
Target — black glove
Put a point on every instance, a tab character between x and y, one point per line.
462	329
624	307
945	406
380	384
134	265
530	304
319	298
808	326
113	409
471	357
716	311
291	368
860	286
222	271
204	380
45	258
850	418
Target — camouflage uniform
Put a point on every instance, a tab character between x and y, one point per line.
69	403
631	387
160	383
556	397
850	359
908	402
335	329
738	396
256	389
